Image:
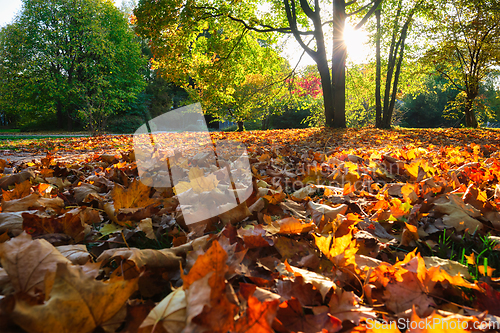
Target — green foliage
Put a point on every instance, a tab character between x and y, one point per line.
233	72
78	60
125	123
425	109
466	50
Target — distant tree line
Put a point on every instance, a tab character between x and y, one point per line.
84	64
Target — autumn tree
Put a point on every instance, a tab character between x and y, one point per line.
467	48
231	70
70	59
305	20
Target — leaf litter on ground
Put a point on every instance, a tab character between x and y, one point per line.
356	230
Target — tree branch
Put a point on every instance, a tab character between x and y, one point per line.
370	12
292	20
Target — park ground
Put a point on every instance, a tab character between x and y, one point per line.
345	231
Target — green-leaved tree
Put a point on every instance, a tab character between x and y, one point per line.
69	59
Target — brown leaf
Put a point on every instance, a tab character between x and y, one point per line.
291	318
236	214
77	254
16	178
69	223
166	258
458	215
27	261
12	222
33	201
77	303
344	305
169	313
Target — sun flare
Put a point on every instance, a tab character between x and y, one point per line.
357	50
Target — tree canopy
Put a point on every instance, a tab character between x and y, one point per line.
68	60
301	19
467	49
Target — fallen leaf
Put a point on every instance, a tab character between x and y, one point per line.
169	313
77	303
26	261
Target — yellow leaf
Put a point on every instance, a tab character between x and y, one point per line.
181	187
200	183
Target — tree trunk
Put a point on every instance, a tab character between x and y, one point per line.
60	115
470	115
326	86
339	56
240	126
378	75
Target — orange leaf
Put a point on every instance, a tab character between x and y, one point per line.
20	190
291	225
258	317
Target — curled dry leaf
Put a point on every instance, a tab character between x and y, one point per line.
76	304
146	226
27	261
166	258
459	215
33	201
16	178
169	313
322	283
77	254
344	305
318	211
13	222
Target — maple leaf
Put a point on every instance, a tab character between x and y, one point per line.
77	303
258	317
135	196
217	312
291	225
26	261
436	323
337	249
20	190
458	215
33	201
325	212
167	258
69	223
291	318
488	300
409	283
200	183
322	283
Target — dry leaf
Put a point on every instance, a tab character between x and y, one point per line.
169	313
27	261
76	304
